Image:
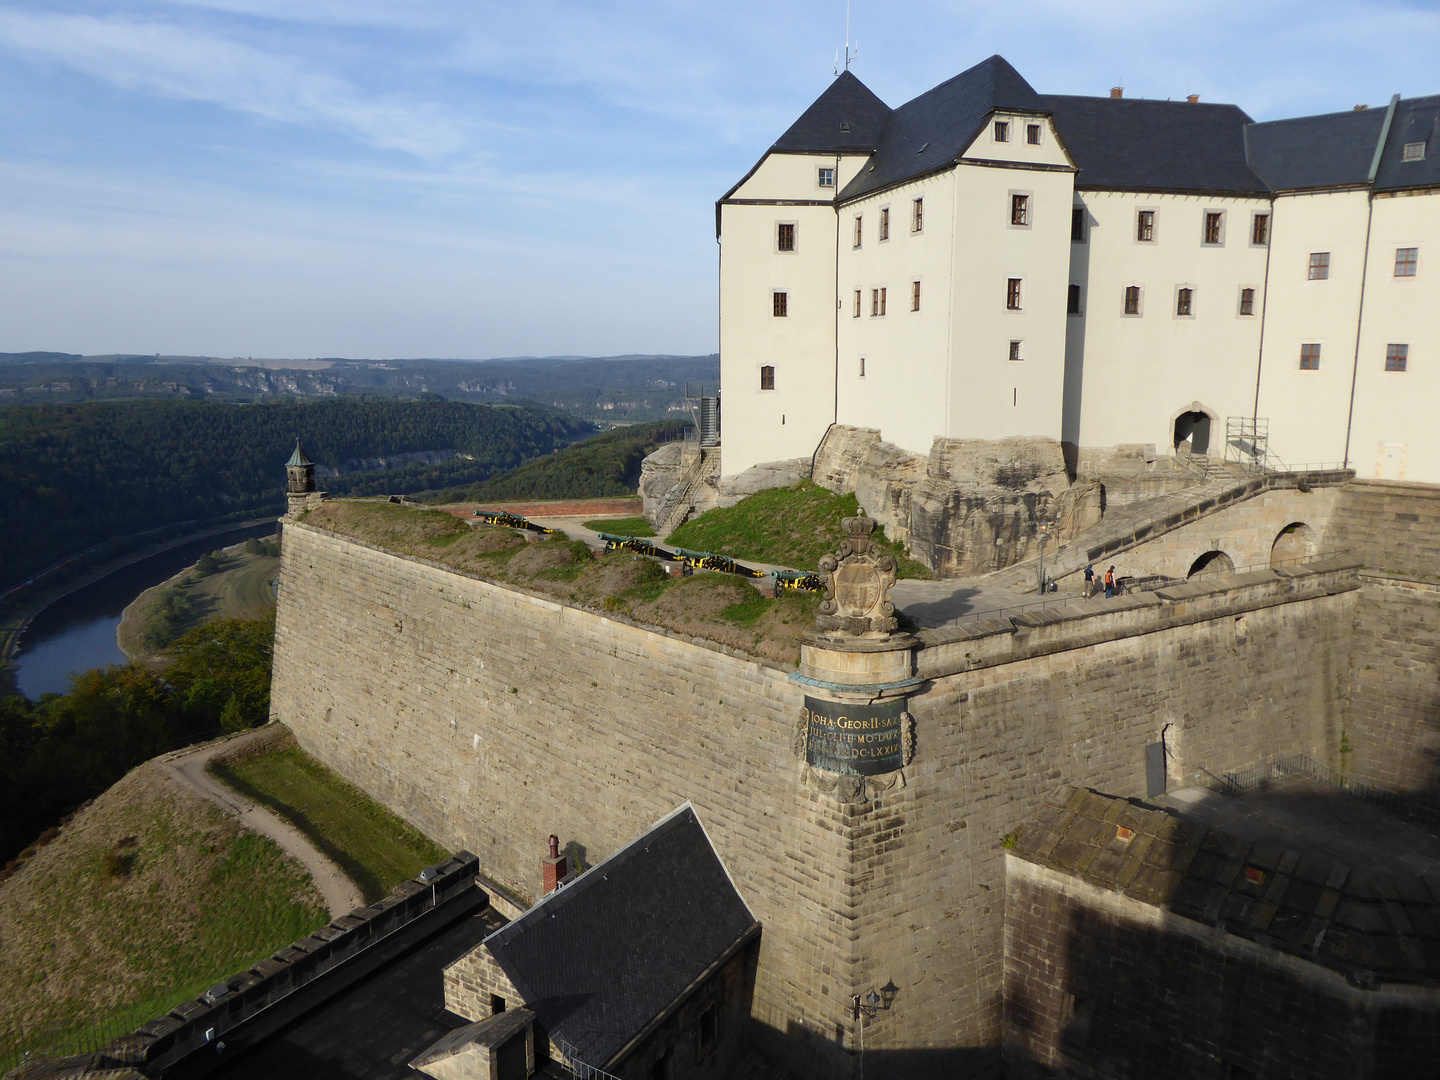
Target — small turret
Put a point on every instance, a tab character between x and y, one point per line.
300	491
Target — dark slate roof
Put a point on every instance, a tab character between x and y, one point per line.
600	958
931	131
298	457
1364	923
1139	145
1331	150
1416	120
845	101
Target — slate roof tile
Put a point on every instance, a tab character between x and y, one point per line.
845	101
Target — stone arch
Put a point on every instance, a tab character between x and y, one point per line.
1195	429
1211	562
1293	542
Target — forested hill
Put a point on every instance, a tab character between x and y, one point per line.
72	476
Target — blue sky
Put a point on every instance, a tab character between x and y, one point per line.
445	178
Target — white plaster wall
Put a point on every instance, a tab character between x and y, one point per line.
1394	432
1127	377
1049	151
1309	410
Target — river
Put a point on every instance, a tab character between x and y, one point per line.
77	632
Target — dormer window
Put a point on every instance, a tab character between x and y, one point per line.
844	128
1414	151
827	177
1002	130
1032	134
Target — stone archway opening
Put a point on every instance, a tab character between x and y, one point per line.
1192	432
1211	562
1293	543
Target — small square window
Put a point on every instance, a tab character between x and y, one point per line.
857	304
497	1004
1214	226
1260	230
1406	261
1012	294
1247	301
1310	357
1032	134
1015	351
1002	131
1077	225
1414	151
1072	301
884	223
917	215
859	231
767	377
1019	209
827	177
1184	302
1132	299
1145	226
1319	265
914	296
862	367
785	236
1396	357
780	304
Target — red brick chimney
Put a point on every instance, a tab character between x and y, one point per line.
552	867
1117	91
1193	99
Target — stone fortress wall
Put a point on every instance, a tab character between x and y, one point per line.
490	718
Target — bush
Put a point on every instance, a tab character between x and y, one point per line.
208	563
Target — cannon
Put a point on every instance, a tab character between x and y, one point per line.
507	520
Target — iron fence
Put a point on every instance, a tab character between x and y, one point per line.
574	1063
62	1041
1261	777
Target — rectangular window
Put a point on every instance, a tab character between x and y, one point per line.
1319	265
859	232
1396	357
1406	261
1260	230
1072	301
882	301
1019	209
1015	351
827	177
917	215
1032	134
1184	301
785	237
1414	151
497	1004
767	377
1310	357
862	367
914	296
1247	301
1012	294
780	304
1145	226
709	1029
1214	226
1132	299
857	303
884	223
1077	225
1002	131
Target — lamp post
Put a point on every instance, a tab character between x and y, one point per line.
1042	528
873	1003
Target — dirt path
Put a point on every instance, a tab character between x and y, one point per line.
341	894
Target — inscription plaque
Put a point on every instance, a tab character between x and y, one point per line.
860	740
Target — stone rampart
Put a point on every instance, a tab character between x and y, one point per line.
490	718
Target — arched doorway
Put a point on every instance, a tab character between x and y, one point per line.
1294	542
1192	432
1210	563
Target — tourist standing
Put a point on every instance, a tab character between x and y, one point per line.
1109	583
1089	581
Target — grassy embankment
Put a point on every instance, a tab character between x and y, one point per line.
716	607
241	588
369	843
792	527
147	898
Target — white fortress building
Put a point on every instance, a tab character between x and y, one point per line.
986	261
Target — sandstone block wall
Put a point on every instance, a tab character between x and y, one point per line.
490	718
1393	527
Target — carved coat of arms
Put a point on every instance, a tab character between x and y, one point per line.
857	577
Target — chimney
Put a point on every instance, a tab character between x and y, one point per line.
552	867
1117	91
1193	99
1361	108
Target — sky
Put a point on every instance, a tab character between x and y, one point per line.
446	178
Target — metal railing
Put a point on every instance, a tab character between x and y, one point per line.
67	1041
1261	777
573	1062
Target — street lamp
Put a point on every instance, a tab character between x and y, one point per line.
874	1003
1043	528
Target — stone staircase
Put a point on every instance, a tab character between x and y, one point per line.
1128	526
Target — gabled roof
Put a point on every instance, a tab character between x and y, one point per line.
1416	120
600	958
1140	145
298	457
932	130
846	101
1331	150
